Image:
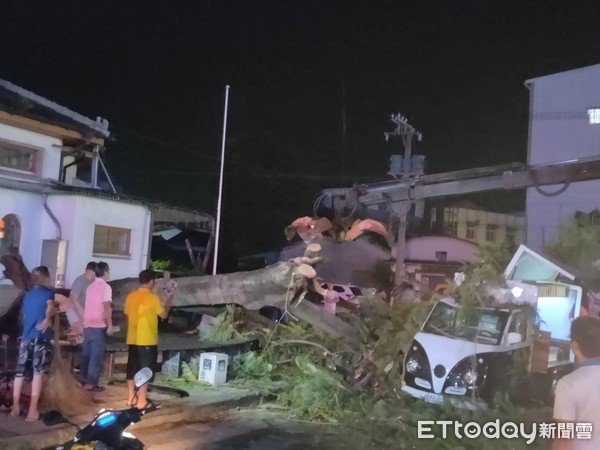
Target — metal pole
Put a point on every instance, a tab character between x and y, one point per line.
112	186
94	177
218	225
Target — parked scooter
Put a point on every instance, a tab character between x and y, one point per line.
107	429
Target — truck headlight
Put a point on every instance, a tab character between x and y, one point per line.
470	377
412	365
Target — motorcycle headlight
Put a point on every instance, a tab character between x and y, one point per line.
412	365
470	377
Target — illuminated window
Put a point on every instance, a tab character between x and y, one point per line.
470	233
594	116
16	157
433	217
451	228
490	233
511	234
111	240
451	221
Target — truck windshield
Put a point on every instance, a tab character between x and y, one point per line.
484	326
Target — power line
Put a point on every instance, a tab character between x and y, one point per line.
267	173
264	175
185	149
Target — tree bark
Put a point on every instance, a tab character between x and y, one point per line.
281	285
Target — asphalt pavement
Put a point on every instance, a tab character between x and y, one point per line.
252	429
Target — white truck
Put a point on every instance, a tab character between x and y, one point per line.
518	347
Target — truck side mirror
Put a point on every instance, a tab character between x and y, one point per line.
514	338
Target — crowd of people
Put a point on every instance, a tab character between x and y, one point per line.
88	309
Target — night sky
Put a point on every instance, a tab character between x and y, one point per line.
157	71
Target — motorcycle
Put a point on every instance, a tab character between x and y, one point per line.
107	429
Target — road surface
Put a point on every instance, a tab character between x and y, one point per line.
249	430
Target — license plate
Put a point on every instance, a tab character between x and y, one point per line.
434	398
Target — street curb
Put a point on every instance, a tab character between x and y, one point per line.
194	412
180	410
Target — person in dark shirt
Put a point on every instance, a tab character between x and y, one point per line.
36	340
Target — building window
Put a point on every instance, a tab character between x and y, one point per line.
18	158
490	233
441	256
511	234
594	217
433	217
451	221
470	233
594	116
451	228
111	240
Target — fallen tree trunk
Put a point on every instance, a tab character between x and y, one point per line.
282	285
253	290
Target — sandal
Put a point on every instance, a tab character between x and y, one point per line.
150	404
97	389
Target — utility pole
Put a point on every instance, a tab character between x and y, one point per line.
407	132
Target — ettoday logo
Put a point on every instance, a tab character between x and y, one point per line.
431	429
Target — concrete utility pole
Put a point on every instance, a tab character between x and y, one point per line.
407	132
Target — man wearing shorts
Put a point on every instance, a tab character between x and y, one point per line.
143	308
36	340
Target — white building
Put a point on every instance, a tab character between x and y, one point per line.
49	213
564	123
433	260
466	221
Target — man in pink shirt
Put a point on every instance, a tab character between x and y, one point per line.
97	323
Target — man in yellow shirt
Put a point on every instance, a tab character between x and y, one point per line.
143	308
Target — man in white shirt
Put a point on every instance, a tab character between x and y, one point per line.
577	397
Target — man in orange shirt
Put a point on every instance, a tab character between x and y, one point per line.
143	308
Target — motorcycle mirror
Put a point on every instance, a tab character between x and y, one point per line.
142	377
53	417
